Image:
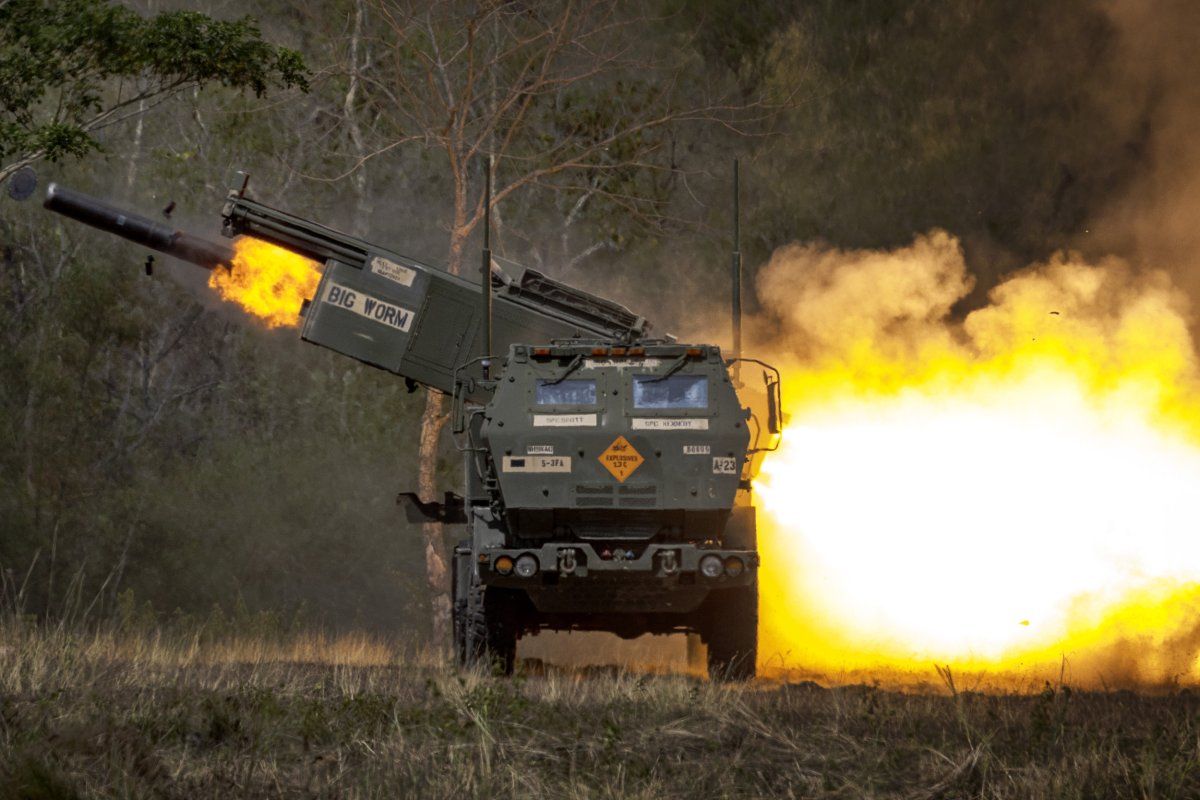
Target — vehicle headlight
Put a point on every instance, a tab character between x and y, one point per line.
734	566
503	565
711	566
527	566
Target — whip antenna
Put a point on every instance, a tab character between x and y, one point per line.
736	268
485	271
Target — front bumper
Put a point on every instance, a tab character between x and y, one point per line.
580	561
575	586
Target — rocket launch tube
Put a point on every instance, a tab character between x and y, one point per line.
136	228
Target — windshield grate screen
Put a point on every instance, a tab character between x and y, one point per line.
566	393
674	391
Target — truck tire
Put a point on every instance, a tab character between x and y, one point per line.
460	588
489	629
732	628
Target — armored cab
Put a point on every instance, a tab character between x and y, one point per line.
608	500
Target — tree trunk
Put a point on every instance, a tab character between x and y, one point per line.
350	111
432	421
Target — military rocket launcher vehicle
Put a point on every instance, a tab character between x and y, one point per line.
606	471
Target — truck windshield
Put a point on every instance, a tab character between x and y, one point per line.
673	391
566	393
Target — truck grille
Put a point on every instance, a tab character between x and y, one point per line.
639	502
638	496
590	495
594	502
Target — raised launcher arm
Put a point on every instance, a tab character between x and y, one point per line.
415	320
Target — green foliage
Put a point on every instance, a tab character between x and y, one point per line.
735	36
58	412
69	67
187	456
991	120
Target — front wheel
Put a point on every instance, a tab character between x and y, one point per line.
485	629
732	633
460	588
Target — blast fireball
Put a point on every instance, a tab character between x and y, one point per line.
267	281
1000	494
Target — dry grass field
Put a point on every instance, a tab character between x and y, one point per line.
146	715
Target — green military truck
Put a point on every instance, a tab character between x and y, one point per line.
606	472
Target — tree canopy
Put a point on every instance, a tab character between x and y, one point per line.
69	68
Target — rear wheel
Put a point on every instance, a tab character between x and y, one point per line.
732	633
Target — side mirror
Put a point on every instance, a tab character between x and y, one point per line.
773	402
457	404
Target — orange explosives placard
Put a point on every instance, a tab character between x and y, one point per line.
621	459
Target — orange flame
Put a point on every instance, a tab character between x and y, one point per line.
1013	495
267	281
